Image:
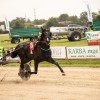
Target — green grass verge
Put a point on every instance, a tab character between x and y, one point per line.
64	63
65	42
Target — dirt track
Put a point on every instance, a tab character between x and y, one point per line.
49	84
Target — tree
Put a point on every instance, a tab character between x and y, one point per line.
83	18
52	22
94	15
63	17
28	25
98	16
18	23
74	19
2	23
38	22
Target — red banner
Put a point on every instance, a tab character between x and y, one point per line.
94	42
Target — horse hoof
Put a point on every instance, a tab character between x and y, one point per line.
63	74
18	74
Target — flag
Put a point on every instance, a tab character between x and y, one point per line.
7	24
89	12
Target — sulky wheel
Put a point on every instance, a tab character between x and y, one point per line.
25	73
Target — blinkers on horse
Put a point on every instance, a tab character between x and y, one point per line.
46	36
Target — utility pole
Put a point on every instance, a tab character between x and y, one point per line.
35	17
25	18
34	14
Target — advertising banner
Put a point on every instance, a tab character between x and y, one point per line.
83	52
93	35
93	38
94	42
58	52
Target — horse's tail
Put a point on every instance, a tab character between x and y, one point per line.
13	54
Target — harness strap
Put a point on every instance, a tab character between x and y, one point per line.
45	49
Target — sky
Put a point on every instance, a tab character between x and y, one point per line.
44	9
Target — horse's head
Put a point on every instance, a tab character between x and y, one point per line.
46	35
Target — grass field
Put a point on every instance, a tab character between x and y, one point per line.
5	42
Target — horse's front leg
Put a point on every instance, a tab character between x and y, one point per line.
51	60
35	67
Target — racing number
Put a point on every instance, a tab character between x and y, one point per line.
31	46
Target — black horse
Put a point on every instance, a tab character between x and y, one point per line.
41	52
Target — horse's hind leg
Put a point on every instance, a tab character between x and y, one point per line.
21	69
51	60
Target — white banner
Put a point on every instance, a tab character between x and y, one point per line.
58	52
83	52
89	12
7	24
93	35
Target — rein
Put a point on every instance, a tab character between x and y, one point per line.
44	49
